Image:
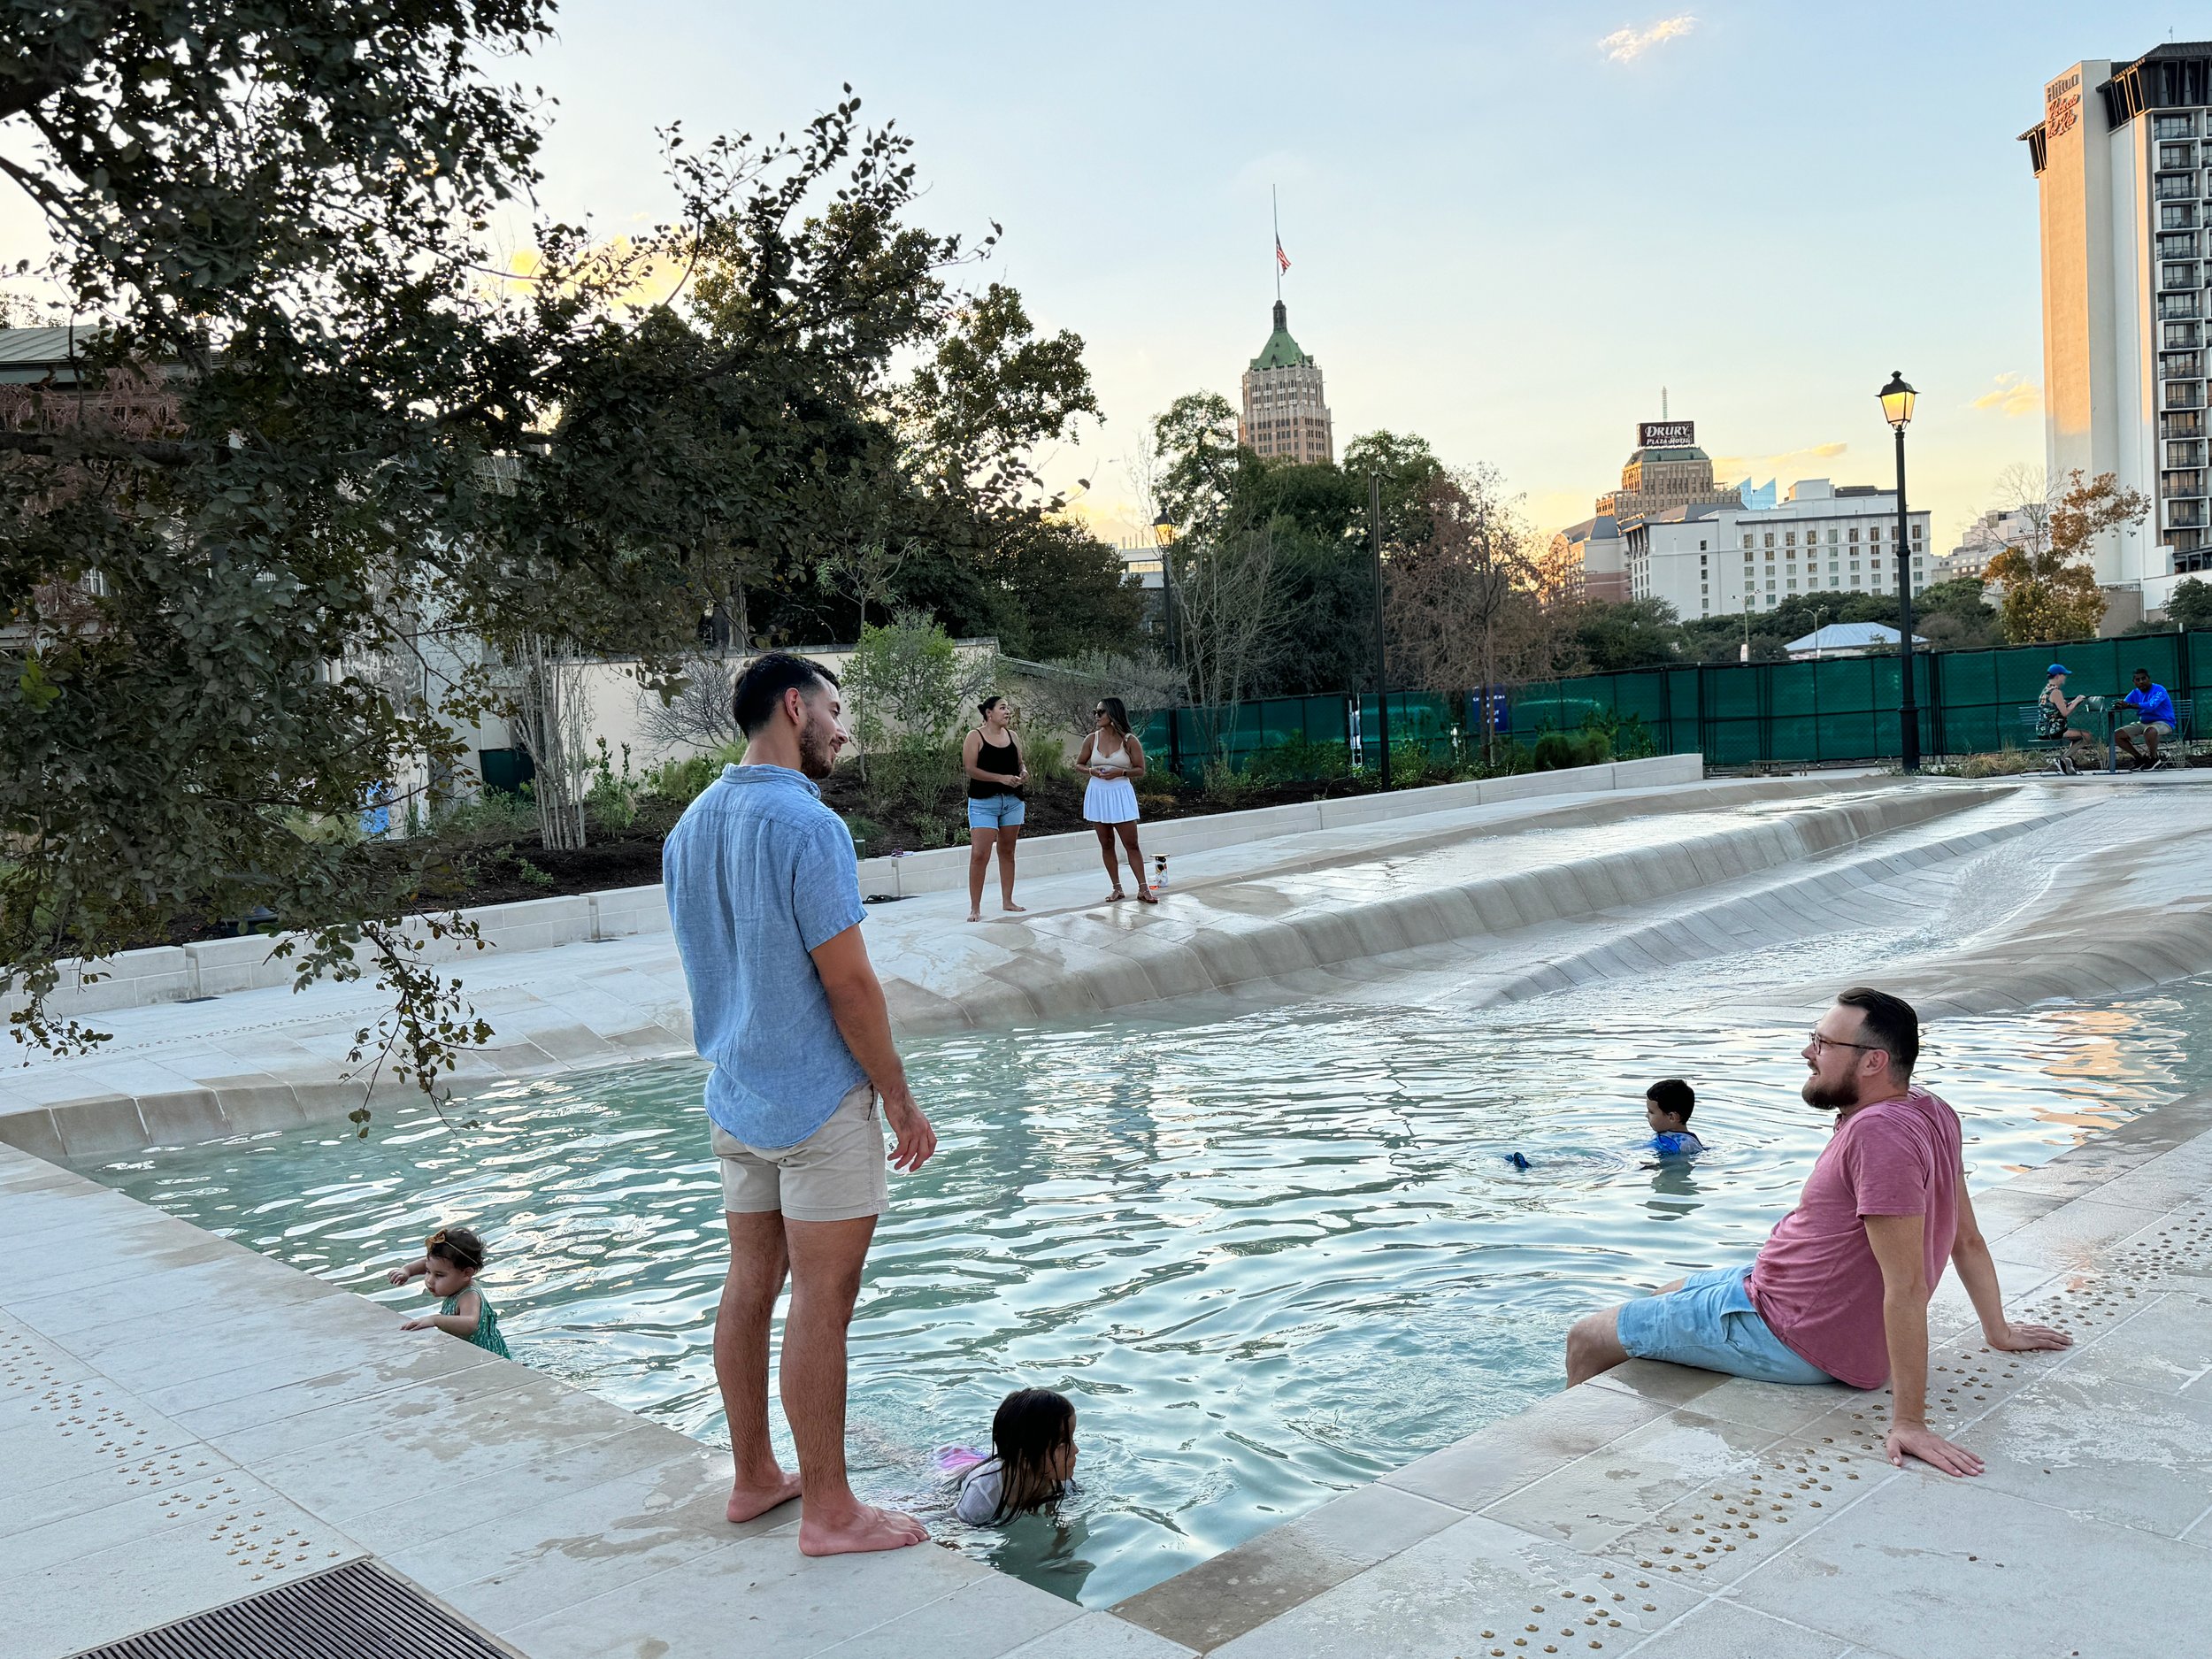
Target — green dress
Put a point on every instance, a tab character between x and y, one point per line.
486	1335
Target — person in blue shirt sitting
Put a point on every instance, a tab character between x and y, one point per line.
1667	1104
2156	710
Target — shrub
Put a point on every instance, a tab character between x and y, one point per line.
1301	760
611	799
1226	786
678	783
1555	751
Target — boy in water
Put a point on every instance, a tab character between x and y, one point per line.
1667	1104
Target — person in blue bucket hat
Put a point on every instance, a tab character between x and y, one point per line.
2054	716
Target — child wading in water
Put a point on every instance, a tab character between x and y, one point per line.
1032	1446
451	1259
1667	1108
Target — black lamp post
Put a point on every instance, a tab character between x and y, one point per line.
1897	401
1164	535
1382	664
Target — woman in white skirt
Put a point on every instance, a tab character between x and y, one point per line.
1113	760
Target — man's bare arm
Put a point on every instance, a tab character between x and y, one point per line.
1897	1245
856	1000
1970	1255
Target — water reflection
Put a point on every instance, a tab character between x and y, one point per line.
1673	1189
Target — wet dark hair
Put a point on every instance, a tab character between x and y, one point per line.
1673	1096
1030	1425
1116	712
988	704
760	689
1890	1024
457	1245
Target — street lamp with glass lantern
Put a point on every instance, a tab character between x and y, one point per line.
1897	401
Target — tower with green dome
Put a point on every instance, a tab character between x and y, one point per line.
1285	413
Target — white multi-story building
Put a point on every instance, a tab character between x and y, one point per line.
1711	561
2122	162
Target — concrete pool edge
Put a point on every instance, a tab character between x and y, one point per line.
563	1524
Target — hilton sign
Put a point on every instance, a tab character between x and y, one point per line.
1666	435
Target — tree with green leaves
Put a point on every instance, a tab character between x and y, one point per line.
2190	604
386	452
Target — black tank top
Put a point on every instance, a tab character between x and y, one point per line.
1002	758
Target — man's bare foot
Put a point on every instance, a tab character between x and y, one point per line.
746	1501
865	1528
1015	910
975	916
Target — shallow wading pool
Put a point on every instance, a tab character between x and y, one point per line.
1270	1258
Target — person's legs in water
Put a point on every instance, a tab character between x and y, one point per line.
1008	835
758	1266
1106	851
1593	1343
1136	861
825	1262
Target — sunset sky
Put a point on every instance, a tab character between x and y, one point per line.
1510	226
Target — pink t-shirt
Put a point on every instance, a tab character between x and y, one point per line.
1817	1282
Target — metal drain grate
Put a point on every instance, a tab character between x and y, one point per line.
357	1611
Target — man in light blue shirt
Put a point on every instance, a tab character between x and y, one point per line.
764	894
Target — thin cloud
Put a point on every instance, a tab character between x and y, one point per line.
1730	466
2014	394
1626	45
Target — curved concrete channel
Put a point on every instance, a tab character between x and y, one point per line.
161	1376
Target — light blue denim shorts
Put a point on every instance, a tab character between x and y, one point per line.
1711	1324
999	811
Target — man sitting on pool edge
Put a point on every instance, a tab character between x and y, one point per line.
1839	1291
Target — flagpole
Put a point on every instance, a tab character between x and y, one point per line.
1276	209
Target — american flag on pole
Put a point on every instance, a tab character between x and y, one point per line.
1282	260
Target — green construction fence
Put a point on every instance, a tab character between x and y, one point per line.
1838	710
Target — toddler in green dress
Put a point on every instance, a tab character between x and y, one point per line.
451	1258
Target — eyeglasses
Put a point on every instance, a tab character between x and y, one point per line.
1820	1042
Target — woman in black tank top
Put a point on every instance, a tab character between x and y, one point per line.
993	761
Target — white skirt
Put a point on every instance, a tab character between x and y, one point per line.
1110	801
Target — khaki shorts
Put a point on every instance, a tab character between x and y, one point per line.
837	1173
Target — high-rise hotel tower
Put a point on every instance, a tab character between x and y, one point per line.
2124	167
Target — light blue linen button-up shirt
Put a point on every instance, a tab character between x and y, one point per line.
759	872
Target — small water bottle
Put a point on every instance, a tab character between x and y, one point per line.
1159	872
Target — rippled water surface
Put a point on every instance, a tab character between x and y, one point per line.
1269	1257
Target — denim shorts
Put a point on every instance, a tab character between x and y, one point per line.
1711	1324
998	811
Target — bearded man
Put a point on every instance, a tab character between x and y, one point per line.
1839	1293
764	894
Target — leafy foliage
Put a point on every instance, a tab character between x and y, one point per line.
2052	594
386	463
2190	604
